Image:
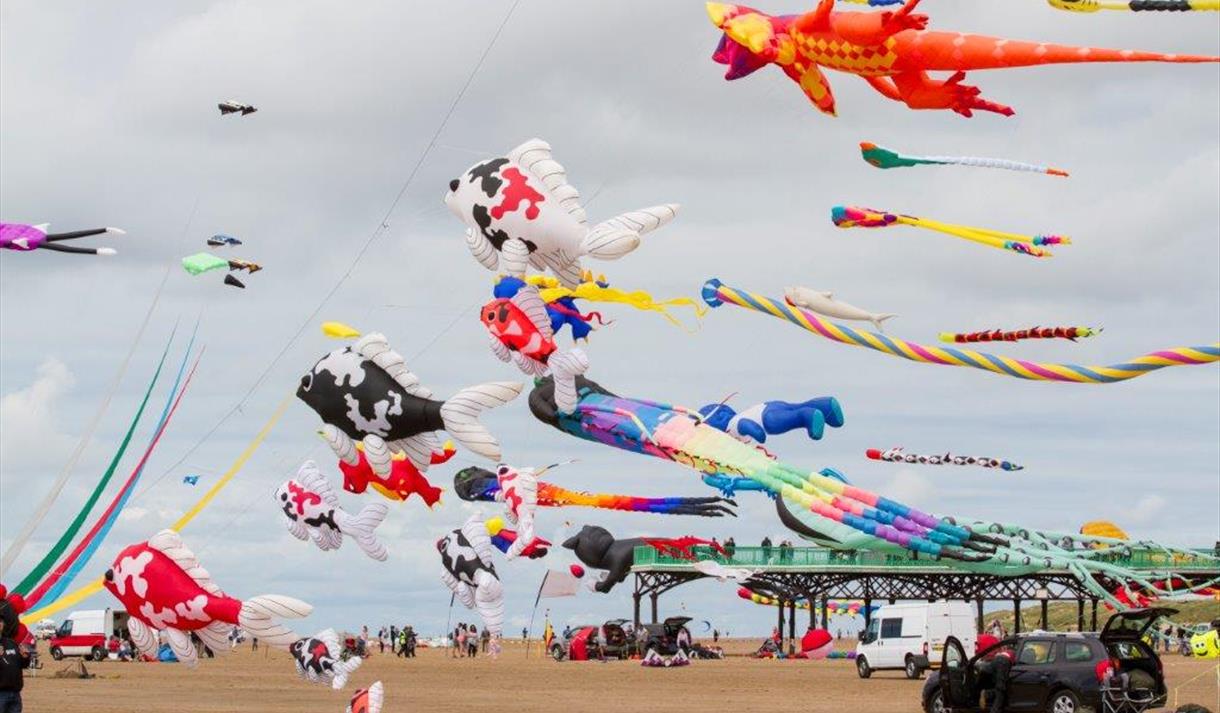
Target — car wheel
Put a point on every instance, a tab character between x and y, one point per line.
862	667
912	669
936	703
557	653
98	653
1063	702
57	653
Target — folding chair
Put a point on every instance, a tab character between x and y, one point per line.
1119	696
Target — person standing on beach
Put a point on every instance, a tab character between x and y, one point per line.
13	660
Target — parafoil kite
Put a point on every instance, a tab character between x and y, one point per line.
597	549
366	393
466	556
24	238
318	659
479	485
771	418
1088	6
882	157
716	293
313	512
164	588
891	51
520	210
200	263
1032	245
190	480
826	305
404	478
997	335
368	701
897	455
221	240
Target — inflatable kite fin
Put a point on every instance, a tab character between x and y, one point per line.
620	235
182	646
482	249
258	615
369	701
361	527
378	454
215	635
530	303
535	155
143	637
815	85
343	446
460	414
877	319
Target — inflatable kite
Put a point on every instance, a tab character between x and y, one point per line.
24	238
1086	6
597	549
563	311
165	590
715	293
480	485
772	418
826	305
882	157
313	512
220	240
1205	645
368	701
404	478
12	606
890	50
1032	245
721	573
200	263
896	455
366	393
466	556
318	659
996	335
1103	528
520	210
506	539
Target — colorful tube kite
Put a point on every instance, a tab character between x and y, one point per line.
1032	245
882	157
716	293
1089	6
997	335
897	455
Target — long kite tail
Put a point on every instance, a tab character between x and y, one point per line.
1090	6
953	51
551	495
716	293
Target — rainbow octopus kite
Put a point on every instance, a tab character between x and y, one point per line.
716	293
996	335
881	157
856	217
24	238
891	50
828	510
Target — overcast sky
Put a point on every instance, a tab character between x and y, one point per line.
108	117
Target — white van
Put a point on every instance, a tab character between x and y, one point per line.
85	633
908	636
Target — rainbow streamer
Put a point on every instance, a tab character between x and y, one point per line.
715	293
1032	245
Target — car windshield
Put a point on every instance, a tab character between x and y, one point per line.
870	634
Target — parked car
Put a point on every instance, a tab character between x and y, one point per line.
84	633
582	642
911	637
1052	672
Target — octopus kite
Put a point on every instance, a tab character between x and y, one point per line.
891	50
1032	245
24	238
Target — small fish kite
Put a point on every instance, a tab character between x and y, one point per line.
318	659
403	480
232	107
897	455
882	157
200	263
24	238
190	479
825	304
220	240
996	335
1032	245
1090	6
313	512
368	700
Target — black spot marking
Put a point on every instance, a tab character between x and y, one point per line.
487	172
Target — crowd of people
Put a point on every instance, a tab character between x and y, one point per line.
467	642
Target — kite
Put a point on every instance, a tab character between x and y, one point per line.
882	157
313	512
716	293
339	330
597	549
506	540
479	485
404	478
825	304
368	701
561	301
1088	6
721	573
166	591
200	263
24	238
896	455
1032	245
190	480
466	556
220	240
318	659
1103	528
230	106
834	607
772	418
996	335
366	393
890	50
520	210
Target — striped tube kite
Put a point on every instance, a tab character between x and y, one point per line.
716	293
882	157
996	335
897	455
1033	245
1090	6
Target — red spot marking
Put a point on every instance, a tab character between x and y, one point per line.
302	497
515	192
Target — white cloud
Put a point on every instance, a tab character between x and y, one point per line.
1147	509
30	431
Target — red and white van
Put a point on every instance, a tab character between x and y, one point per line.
85	633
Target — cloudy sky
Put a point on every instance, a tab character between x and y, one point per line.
108	118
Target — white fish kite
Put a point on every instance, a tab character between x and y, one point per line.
318	660
882	157
313	511
826	305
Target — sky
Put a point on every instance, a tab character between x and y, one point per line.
108	117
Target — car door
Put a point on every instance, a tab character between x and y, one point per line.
957	687
1032	674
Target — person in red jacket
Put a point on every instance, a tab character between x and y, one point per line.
13	659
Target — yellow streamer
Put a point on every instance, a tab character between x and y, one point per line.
550	290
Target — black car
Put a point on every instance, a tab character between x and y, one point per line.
667	637
1051	672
